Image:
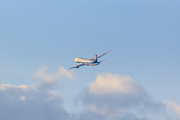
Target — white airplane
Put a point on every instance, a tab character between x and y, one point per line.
90	61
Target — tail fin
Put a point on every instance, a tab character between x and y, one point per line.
95	59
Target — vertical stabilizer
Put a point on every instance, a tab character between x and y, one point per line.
95	59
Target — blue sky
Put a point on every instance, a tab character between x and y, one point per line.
144	35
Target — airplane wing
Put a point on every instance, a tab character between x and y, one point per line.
77	66
103	54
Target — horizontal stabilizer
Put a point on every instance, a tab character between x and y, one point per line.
102	60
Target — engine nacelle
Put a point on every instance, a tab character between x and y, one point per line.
76	66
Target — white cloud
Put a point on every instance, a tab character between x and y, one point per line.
47	78
24	92
62	71
9	86
52	78
22	98
174	106
109	84
116	96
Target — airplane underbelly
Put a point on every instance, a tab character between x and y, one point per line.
91	64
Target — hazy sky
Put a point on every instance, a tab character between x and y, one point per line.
39	40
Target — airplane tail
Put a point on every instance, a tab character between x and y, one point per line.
95	59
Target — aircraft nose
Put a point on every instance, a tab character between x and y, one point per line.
75	59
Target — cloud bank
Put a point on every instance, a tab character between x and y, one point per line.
29	103
108	97
119	97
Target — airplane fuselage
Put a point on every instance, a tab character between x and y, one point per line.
80	60
90	61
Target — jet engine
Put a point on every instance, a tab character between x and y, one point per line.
76	66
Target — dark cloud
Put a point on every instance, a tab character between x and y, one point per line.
94	116
25	103
88	116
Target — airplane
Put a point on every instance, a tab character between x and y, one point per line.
89	62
